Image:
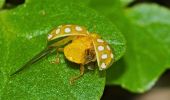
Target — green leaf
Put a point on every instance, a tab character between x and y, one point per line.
147	30
125	2
23	34
1	3
148	53
156	24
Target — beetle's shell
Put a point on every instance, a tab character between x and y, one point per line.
67	30
103	51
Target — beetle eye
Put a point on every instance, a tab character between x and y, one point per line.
90	55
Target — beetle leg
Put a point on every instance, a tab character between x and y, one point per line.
77	77
57	61
60	49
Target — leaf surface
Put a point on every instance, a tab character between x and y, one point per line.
24	31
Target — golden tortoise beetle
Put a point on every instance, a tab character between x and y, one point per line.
85	47
80	47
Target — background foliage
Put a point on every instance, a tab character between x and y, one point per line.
146	28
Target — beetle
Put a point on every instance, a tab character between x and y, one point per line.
79	46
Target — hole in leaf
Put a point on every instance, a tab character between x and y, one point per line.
165	3
9	4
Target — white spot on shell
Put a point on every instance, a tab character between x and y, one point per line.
49	36
108	47
100	48
67	30
104	56
103	66
111	55
100	40
57	31
78	28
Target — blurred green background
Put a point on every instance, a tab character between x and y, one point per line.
158	92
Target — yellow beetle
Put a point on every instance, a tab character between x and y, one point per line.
79	46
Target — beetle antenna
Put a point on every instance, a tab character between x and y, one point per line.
42	54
